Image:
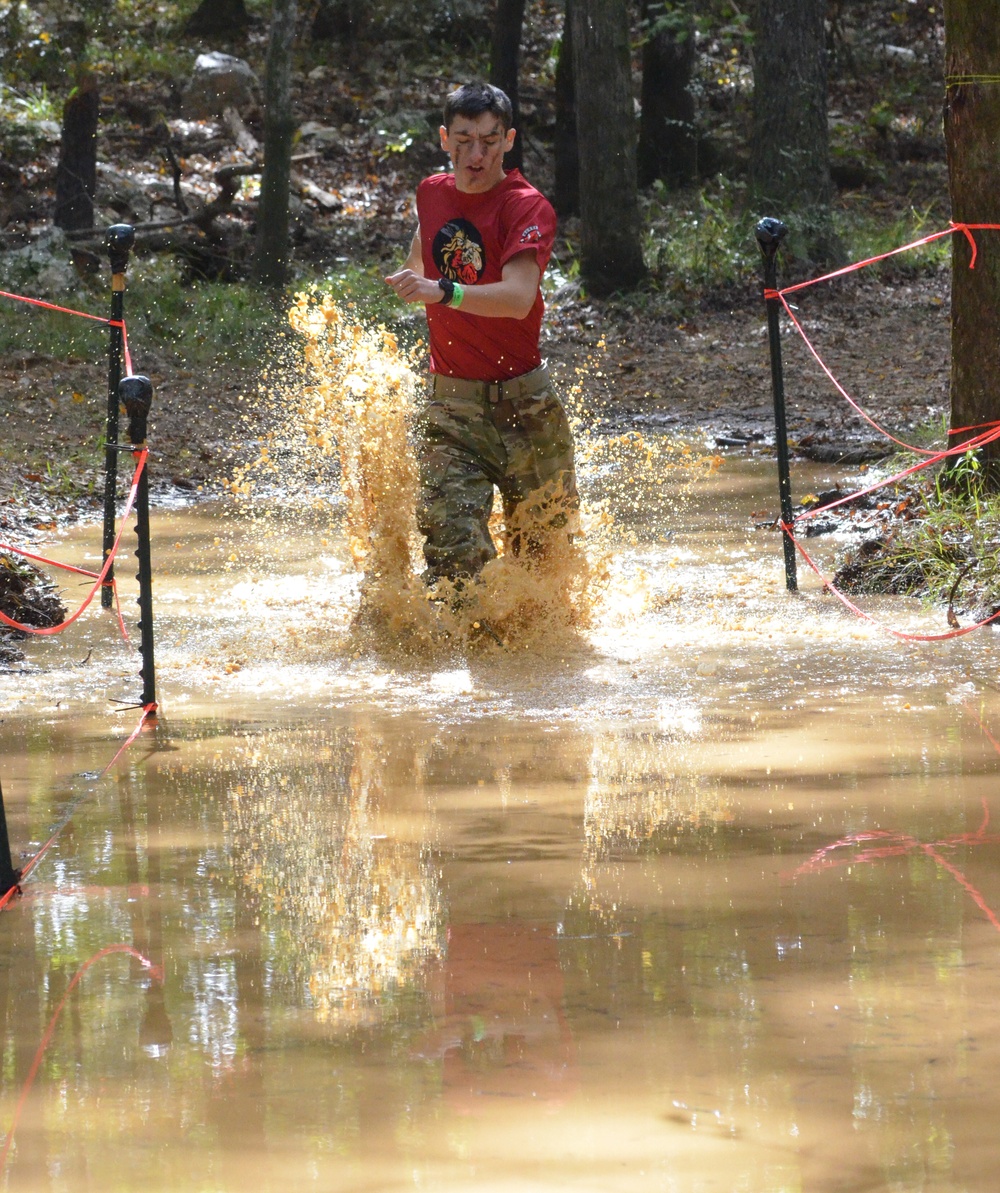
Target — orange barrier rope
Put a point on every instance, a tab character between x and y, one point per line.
148	711
100	576
125	352
901	634
971	445
155	972
990	431
967	230
66	567
921	451
51	306
901	844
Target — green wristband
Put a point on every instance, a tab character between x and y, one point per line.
457	295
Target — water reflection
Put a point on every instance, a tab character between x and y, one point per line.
375	929
355	913
710	904
500	1026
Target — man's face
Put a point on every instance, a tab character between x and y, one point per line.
476	146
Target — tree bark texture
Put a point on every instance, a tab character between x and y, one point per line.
76	173
790	143
271	248
972	133
338	18
505	54
565	146
668	141
610	230
218	16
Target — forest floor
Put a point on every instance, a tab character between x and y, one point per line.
705	380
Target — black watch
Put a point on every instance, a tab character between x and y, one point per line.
448	287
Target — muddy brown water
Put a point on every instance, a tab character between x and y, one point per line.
705	900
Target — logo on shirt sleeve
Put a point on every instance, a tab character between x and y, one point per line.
531	234
459	252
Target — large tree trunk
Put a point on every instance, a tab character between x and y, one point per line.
610	249
504	59
218	16
566	147
790	143
972	133
271	249
339	19
668	142
76	173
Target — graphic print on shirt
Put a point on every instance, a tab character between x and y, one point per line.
459	252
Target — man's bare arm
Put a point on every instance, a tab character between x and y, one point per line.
510	298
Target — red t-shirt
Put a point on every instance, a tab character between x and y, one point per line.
469	238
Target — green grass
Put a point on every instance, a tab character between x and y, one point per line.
206	323
866	234
700	242
949	552
29	104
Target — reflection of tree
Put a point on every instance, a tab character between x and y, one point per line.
22	1023
632	798
237	1096
354	913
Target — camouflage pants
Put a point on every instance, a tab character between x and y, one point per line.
474	437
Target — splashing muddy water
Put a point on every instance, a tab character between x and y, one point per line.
357	400
700	895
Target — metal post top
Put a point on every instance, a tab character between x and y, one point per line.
136	394
770	232
118	240
120	234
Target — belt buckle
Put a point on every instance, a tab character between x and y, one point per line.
495	391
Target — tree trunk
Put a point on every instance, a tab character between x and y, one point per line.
271	249
218	16
972	132
504	57
343	19
76	173
668	143
790	143
610	249
565	147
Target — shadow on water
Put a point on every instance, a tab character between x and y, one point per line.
702	896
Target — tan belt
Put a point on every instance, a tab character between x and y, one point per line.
496	391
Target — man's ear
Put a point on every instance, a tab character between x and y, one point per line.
443	134
508	144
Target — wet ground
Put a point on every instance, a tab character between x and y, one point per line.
705	900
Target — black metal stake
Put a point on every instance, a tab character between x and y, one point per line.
119	240
9	877
769	233
136	395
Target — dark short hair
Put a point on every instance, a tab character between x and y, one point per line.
473	99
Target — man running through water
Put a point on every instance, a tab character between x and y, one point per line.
483	239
